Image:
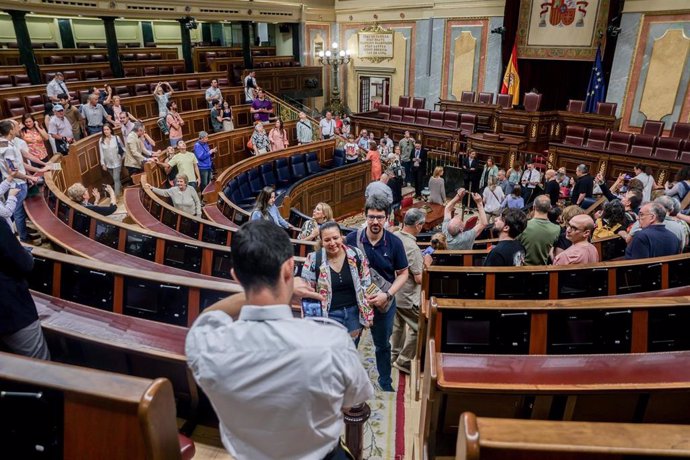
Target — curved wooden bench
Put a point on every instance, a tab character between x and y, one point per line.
158	294
648	388
201	229
235	213
71	240
481	438
139	214
38	90
84	413
553	282
213	214
213	259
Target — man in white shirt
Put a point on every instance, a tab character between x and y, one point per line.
13	169
530	179
327	126
56	86
278	384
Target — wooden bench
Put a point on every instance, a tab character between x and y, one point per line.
620	324
138	213
484	438
213	214
104	245
156	292
213	259
73	412
323	149
557	282
179	80
648	388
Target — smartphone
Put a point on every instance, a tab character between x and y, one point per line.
311	308
10	164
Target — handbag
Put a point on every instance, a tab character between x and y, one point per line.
376	278
120	148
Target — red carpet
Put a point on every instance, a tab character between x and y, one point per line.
400	418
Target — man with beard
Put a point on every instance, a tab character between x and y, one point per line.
388	264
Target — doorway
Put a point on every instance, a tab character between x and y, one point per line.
373	91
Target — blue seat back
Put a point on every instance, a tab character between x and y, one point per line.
232	191
298	167
269	179
313	166
243	184
255	182
283	171
338	157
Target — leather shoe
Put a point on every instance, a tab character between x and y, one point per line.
402	368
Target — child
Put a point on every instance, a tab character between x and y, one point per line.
351	150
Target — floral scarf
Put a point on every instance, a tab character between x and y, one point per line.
321	281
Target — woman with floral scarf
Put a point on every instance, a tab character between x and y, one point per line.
341	275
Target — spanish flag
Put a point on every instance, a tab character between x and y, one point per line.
511	79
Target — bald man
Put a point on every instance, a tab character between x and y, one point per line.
578	231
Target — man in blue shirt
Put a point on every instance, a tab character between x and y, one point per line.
386	255
654	240
204	153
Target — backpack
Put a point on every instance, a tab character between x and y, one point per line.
602	231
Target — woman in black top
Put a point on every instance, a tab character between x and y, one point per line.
340	273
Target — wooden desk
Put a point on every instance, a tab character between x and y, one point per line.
534	127
434	214
504	149
588	120
563	373
485	112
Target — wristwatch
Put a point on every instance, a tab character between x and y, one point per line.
389	296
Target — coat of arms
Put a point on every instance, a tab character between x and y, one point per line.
563	13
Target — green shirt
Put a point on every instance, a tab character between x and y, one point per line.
185	162
538	239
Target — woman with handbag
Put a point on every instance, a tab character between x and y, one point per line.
340	273
112	153
260	142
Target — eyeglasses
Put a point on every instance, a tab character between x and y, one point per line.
574	228
644	214
377	218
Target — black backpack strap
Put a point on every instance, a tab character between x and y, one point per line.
318	260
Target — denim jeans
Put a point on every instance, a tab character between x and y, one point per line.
205	178
381	332
348	317
94	129
117	184
174	141
20	214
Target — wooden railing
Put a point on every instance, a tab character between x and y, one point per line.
11	57
80	86
235	213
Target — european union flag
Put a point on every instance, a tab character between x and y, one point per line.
596	91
